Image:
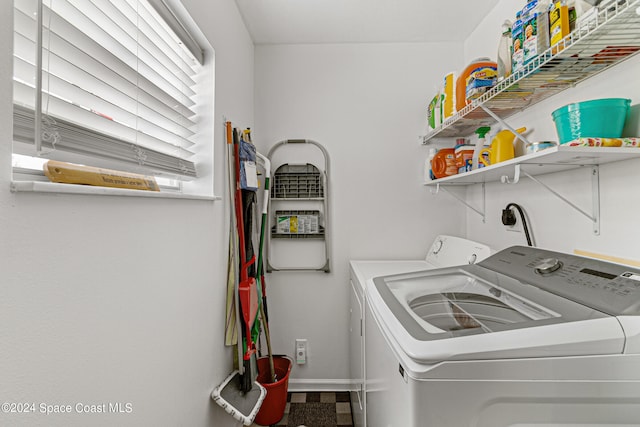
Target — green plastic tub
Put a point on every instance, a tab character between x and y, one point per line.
598	118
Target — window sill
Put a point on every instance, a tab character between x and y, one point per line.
50	187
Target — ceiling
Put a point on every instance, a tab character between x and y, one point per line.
361	21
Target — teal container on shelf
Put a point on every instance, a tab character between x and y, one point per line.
598	118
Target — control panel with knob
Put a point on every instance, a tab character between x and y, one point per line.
610	288
547	266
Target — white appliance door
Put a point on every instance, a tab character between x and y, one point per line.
356	356
388	395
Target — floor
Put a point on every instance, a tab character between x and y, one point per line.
326	409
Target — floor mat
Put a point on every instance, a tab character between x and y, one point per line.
325	409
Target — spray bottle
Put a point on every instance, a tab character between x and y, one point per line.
504	51
480	142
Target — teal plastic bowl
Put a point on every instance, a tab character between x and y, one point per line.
598	118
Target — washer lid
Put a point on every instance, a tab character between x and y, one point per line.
472	312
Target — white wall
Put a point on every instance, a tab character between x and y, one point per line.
109	299
483	41
366	104
554	224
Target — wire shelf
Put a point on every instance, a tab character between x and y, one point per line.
297	182
605	39
298	224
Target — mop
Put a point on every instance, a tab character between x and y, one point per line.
260	270
235	395
249	186
247	288
231	326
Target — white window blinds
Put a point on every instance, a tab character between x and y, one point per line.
118	86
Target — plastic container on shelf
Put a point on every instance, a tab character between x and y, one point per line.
597	118
501	148
434	111
481	140
477	78
464	157
449	103
428	171
504	51
444	163
559	26
534	147
535	24
517	49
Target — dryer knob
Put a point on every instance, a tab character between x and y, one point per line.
547	266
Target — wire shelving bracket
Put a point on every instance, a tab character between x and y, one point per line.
594	216
481	212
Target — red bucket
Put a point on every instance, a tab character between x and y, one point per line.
272	409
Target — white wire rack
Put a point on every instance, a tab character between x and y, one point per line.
604	39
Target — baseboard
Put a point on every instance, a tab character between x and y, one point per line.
302	385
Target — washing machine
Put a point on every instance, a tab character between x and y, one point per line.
445	251
525	338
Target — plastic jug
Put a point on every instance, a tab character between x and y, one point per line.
444	163
483	73
501	147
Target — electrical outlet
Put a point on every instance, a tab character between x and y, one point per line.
510	221
301	351
517	227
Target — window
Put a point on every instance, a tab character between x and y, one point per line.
119	84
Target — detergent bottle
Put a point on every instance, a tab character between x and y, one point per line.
443	163
464	155
501	148
477	78
449	103
480	142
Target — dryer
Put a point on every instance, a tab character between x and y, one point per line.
445	251
525	338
